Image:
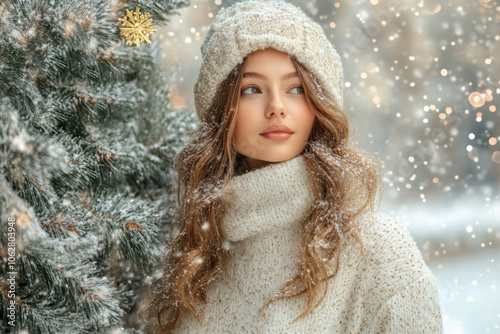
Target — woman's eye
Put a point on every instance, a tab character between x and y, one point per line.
253	90
300	88
250	90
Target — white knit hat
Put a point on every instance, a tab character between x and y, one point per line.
259	24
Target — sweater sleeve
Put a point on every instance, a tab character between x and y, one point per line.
413	309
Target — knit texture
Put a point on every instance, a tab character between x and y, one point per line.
387	288
259	24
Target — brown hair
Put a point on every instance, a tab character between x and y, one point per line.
345	185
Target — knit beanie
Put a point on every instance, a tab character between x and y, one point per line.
253	25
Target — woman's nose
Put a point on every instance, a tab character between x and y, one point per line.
276	105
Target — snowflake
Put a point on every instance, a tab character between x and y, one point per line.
138	29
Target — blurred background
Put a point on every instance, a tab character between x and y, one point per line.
422	83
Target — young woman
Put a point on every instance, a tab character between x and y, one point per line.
279	231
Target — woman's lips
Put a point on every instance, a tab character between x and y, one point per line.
277	128
277	135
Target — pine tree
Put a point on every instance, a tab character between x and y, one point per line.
87	142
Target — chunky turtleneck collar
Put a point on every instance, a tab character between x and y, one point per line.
272	197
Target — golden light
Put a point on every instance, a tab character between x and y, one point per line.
449	110
476	99
488	98
376	100
437	9
444	72
177	100
435	180
496	157
442	116
408	186
492	141
337	4
372	67
493	108
332	25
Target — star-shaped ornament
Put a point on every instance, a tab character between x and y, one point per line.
137	28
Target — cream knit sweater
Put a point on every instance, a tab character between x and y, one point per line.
386	289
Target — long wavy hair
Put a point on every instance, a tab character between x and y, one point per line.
346	183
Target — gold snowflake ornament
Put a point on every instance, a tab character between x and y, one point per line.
137	28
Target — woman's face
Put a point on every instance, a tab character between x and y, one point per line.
271	93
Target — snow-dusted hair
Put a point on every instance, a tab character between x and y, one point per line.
346	182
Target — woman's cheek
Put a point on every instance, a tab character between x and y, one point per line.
247	120
241	125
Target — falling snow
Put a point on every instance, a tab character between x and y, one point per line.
422	92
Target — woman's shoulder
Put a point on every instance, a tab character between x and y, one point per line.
385	235
389	251
387	239
388	274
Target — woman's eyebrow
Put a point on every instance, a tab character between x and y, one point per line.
263	77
